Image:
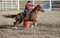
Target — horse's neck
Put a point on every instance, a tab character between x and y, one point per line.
35	11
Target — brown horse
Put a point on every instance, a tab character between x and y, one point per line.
32	16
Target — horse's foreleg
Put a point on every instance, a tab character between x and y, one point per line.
35	23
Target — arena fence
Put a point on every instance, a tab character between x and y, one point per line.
6	5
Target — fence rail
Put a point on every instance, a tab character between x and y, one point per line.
8	5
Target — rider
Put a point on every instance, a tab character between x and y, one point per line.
27	8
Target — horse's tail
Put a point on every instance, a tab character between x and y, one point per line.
12	16
9	16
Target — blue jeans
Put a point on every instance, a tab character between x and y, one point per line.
26	13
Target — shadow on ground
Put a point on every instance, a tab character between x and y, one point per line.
8	26
20	27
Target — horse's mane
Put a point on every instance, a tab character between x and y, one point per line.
35	8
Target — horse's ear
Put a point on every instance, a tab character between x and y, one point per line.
38	6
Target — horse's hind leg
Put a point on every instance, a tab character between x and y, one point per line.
15	24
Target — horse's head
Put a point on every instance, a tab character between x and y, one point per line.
39	8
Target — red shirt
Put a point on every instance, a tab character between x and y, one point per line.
28	6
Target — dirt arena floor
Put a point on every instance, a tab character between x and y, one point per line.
48	26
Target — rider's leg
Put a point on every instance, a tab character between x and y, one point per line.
27	12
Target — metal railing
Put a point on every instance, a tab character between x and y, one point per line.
6	5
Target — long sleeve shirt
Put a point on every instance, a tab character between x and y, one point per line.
27	6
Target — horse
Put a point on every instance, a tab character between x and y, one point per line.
32	16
